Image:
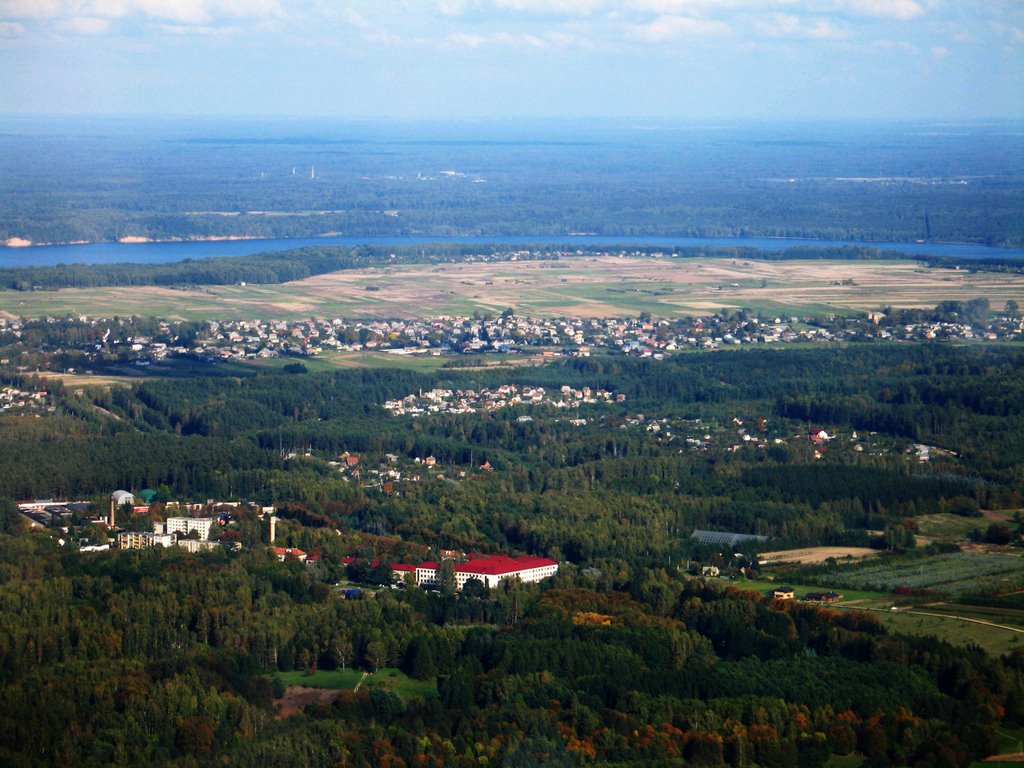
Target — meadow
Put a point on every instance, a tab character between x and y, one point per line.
385	678
953	623
584	286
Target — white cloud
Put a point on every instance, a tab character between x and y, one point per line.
85	25
900	10
783	25
940	52
465	40
11	29
201	29
1013	34
530	41
178	11
452	7
356	19
895	45
380	37
552	7
667	28
30	9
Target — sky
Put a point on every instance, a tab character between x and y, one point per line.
465	59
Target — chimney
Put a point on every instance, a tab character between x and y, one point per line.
273	528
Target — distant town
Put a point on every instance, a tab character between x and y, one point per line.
78	345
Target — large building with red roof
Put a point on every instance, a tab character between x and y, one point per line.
490	569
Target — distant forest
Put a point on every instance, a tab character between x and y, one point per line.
212	438
869	182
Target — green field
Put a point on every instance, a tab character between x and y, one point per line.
994	640
385	678
762	586
329	361
396	681
335	679
1006	616
945	525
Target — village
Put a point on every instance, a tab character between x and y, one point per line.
507	395
73	345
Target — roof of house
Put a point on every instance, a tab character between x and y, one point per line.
495	565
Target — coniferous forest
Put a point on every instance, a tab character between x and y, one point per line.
164	657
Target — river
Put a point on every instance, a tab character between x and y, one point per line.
156	253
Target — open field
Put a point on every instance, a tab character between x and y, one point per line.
328	361
951	622
958	573
814	555
72	380
583	286
948	526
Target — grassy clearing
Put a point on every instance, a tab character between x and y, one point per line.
396	681
334	679
1006	616
1009	740
385	678
945	525
762	586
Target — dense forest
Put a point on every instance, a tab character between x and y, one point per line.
867	182
163	658
160	657
719	440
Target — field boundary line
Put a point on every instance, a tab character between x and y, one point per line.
965	618
365	675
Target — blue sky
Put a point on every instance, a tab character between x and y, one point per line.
443	59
